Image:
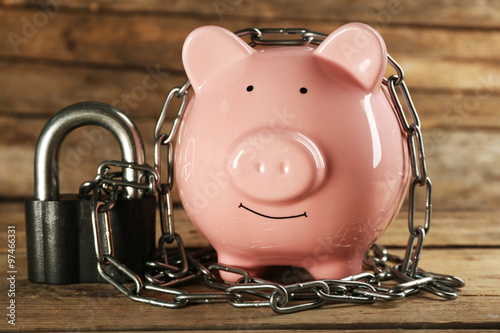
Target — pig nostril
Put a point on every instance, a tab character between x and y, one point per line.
260	167
284	168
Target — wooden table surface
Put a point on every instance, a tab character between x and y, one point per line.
464	244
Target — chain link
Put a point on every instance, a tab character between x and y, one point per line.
306	36
182	267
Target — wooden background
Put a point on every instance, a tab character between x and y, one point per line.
58	52
102	50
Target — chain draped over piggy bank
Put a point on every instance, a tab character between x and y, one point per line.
291	155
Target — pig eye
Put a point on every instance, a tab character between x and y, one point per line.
249	88
303	90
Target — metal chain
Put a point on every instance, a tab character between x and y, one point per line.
182	267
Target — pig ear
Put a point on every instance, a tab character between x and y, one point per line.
355	53
208	49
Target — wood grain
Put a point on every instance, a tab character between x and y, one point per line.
462	163
131	40
41	89
100	307
462	13
110	54
448	229
461	252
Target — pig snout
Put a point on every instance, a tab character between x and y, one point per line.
275	166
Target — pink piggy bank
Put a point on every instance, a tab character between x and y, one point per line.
290	155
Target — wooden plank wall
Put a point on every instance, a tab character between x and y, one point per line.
127	53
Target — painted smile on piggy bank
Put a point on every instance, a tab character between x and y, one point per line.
272	217
290	155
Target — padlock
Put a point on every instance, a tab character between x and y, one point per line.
59	232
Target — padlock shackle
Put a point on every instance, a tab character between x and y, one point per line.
72	117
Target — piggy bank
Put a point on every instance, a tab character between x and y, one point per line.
290	155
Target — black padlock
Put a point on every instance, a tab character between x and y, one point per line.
59	233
